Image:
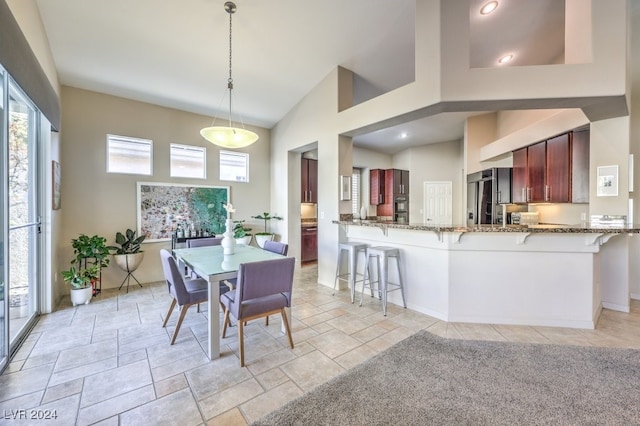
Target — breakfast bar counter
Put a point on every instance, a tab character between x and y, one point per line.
548	275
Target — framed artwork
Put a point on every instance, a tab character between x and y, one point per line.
55	185
345	188
164	206
607	181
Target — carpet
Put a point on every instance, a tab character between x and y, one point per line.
426	379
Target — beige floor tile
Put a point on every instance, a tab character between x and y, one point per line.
229	398
334	343
170	385
272	378
176	408
355	356
479	332
230	418
348	324
269	401
311	370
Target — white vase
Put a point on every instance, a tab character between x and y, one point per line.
228	242
363	212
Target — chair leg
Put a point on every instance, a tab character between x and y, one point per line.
266	320
241	341
166	318
225	323
183	312
286	325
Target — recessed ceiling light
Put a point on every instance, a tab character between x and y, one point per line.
488	7
505	59
403	135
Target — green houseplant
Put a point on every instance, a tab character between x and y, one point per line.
241	232
262	237
90	256
127	253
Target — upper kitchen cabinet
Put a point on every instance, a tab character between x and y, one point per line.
553	171
396	183
580	166
557	187
309	183
519	178
376	187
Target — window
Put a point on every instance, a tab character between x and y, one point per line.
129	155
355	191
234	166
188	161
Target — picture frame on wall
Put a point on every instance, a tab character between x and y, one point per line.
345	188
55	185
607	181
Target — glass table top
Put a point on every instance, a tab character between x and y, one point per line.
212	261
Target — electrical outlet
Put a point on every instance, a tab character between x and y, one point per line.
321	215
583	216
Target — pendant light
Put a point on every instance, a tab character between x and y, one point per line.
229	136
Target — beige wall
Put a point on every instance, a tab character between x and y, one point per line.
94	202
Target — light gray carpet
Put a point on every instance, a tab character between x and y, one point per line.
427	379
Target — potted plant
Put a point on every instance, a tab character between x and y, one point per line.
90	252
82	282
127	253
262	237
241	232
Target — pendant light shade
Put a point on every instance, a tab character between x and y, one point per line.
229	136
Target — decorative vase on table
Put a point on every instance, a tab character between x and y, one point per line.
363	212
228	242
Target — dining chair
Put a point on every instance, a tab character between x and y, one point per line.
276	247
263	288
185	292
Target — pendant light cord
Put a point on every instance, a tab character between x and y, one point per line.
230	81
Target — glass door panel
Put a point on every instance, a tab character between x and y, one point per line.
4	305
23	220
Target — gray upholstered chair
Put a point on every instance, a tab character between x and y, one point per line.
185	292
276	247
204	242
263	289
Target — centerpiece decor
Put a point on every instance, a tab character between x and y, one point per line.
228	241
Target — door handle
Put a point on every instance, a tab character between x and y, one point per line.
546	192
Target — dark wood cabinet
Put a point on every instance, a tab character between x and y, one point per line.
558	165
396	183
580	166
553	171
309	184
536	172
309	246
376	187
519	176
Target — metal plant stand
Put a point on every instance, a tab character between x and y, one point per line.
129	276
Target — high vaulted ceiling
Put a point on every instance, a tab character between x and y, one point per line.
175	53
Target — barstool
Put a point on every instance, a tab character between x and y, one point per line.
352	249
383	255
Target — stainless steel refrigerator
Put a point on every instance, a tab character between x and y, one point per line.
486	190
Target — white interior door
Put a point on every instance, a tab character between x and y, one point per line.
438	203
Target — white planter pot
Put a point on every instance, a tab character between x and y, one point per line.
246	240
261	239
81	296
128	262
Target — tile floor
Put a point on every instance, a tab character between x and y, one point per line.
110	362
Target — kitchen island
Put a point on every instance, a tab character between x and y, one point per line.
548	275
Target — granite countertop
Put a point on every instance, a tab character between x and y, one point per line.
541	228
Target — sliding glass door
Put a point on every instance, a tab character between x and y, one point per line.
4	305
24	225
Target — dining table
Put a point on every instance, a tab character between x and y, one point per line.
214	265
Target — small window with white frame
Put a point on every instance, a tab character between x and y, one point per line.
234	166
129	155
188	161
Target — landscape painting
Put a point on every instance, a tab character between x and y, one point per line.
162	207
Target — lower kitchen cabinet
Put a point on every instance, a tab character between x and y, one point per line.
309	246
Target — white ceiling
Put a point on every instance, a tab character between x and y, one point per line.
175	53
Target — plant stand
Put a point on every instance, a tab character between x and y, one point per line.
129	263
96	285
